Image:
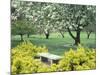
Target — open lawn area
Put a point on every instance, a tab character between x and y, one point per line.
56	44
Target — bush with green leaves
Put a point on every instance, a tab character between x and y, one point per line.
80	59
22	59
47	68
28	48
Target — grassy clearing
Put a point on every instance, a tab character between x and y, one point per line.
56	44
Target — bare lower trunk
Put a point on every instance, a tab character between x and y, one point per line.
77	39
47	36
28	35
21	35
88	34
46	32
62	34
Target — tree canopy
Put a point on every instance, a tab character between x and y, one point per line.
51	17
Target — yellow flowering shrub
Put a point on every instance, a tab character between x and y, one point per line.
22	59
80	59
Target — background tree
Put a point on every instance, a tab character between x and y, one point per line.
77	18
51	17
72	17
91	22
22	27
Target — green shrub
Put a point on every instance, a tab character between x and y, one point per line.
80	59
23	58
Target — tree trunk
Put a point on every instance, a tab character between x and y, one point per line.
77	39
28	35
21	35
47	36
70	33
62	34
88	34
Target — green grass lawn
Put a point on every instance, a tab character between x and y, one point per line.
56	44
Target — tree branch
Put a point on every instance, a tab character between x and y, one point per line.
74	27
84	26
70	33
